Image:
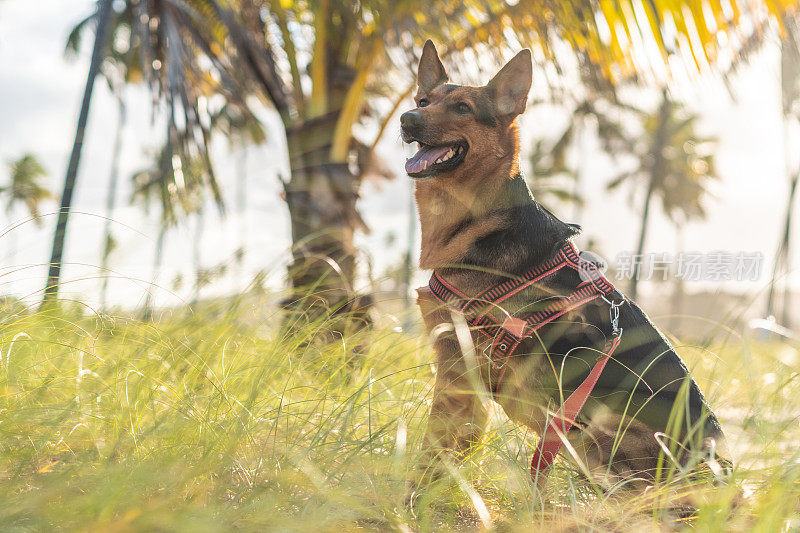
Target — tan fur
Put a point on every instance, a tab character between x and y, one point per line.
470	191
457	417
448	203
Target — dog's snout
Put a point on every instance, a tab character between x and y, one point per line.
411	119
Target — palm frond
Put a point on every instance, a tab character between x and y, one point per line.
25	185
619	180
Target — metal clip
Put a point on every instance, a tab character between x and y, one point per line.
489	357
613	314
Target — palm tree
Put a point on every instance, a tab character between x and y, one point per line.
553	176
165	45
551	179
111	199
242	130
326	66
54	273
156	185
790	90
782	268
118	68
595	108
25	187
351	67
674	164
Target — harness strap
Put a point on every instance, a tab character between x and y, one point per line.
556	431
505	336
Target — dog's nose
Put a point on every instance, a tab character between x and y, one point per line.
409	119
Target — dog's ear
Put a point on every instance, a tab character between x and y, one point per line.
430	73
510	86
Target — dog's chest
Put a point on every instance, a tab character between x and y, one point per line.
521	392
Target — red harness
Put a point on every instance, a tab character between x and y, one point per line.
507	335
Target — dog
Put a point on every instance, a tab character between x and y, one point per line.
481	228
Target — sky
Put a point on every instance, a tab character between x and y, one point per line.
40	94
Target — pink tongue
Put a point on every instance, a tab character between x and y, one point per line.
426	154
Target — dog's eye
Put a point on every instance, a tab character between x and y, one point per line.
422	102
463	108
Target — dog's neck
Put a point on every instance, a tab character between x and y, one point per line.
485	222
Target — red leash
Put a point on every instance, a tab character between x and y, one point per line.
506	336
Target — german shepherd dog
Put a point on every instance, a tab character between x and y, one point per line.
481	226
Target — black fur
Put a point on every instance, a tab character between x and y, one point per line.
645	378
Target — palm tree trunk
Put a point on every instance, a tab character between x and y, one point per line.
111	198
642	235
790	75
781	266
321	203
199	280
241	205
321	196
787	289
657	155
678	289
157	259
578	184
56	257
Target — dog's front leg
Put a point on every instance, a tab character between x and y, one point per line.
457	418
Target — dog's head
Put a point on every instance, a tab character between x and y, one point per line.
461	128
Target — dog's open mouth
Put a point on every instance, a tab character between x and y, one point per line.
430	160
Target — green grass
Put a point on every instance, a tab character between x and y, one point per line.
218	420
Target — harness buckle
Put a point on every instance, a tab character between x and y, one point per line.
515	326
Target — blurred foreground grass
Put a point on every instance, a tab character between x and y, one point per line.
217	420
